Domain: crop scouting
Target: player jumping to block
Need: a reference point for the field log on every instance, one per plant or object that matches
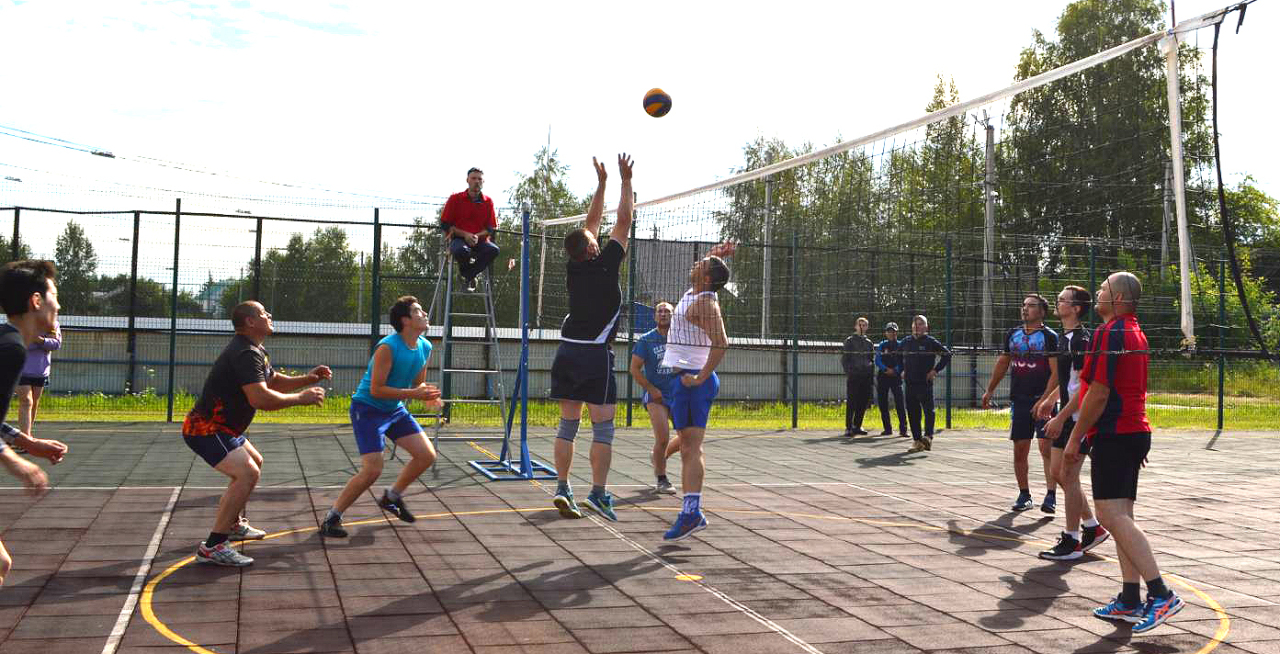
(695, 348)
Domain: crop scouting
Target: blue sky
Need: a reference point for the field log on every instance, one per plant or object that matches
(404, 97)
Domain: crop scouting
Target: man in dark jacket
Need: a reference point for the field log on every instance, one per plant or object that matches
(857, 363)
(889, 379)
(919, 351)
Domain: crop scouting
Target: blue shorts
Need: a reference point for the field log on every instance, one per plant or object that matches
(1024, 426)
(373, 426)
(691, 405)
(215, 447)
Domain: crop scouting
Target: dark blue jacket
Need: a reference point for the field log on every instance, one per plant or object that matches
(918, 357)
(888, 356)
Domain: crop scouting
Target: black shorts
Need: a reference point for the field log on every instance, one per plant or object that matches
(37, 382)
(1024, 426)
(1061, 441)
(1116, 461)
(584, 372)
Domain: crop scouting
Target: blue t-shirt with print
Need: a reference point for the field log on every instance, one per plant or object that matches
(650, 347)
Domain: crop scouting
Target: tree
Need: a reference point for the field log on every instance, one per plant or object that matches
(77, 264)
(6, 249)
(545, 190)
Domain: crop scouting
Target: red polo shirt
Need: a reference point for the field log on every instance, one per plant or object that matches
(1118, 359)
(468, 215)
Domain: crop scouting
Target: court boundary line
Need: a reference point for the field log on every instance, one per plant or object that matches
(144, 569)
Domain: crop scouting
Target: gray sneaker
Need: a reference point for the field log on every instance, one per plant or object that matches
(664, 486)
(244, 531)
(222, 554)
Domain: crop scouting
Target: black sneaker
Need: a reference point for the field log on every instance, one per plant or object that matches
(471, 285)
(859, 432)
(1067, 549)
(396, 508)
(1091, 537)
(332, 527)
(887, 432)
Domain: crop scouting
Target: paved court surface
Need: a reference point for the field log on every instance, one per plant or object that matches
(817, 543)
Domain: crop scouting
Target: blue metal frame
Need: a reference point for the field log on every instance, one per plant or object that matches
(523, 468)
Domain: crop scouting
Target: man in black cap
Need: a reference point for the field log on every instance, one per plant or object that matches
(889, 379)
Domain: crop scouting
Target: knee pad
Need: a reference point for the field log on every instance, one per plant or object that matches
(568, 430)
(602, 432)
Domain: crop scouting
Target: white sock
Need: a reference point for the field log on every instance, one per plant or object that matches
(1073, 534)
(1089, 522)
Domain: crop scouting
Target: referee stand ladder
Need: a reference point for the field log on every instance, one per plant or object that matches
(444, 308)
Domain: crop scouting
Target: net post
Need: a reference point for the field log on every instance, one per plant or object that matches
(989, 237)
(1222, 321)
(1169, 44)
(526, 466)
(795, 333)
(173, 309)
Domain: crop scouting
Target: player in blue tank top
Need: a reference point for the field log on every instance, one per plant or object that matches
(396, 373)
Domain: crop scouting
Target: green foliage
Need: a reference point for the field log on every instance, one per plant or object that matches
(77, 264)
(6, 249)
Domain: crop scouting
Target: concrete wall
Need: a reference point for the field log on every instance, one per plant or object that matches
(96, 360)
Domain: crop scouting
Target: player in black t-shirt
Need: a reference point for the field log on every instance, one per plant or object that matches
(240, 383)
(29, 298)
(583, 370)
(1083, 532)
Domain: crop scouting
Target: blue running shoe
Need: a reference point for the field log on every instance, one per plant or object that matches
(1050, 504)
(602, 504)
(1117, 611)
(1157, 611)
(687, 524)
(564, 502)
(1023, 502)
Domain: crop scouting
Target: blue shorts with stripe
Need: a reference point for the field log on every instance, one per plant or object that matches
(373, 426)
(215, 447)
(691, 405)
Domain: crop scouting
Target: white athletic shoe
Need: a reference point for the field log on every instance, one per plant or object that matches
(222, 554)
(244, 531)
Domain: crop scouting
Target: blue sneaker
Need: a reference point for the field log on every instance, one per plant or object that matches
(564, 502)
(1117, 611)
(1023, 502)
(602, 504)
(687, 524)
(1050, 504)
(1157, 611)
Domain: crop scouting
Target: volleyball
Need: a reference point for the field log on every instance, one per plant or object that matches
(657, 103)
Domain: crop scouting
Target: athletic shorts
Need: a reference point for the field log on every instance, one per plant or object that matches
(584, 372)
(1061, 441)
(215, 447)
(1024, 426)
(373, 426)
(38, 382)
(691, 405)
(1115, 463)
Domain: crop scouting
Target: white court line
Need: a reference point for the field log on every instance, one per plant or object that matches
(122, 621)
(720, 595)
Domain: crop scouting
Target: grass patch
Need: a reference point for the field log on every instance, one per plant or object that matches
(1165, 411)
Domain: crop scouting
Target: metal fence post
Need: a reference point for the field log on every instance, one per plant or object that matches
(257, 262)
(631, 317)
(1093, 277)
(17, 216)
(375, 283)
(130, 385)
(173, 309)
(1222, 321)
(795, 334)
(947, 328)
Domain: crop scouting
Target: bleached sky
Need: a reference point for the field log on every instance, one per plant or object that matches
(403, 97)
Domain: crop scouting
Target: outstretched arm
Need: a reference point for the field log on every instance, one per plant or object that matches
(724, 250)
(596, 212)
(626, 204)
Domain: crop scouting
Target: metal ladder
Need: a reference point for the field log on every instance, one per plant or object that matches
(442, 305)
